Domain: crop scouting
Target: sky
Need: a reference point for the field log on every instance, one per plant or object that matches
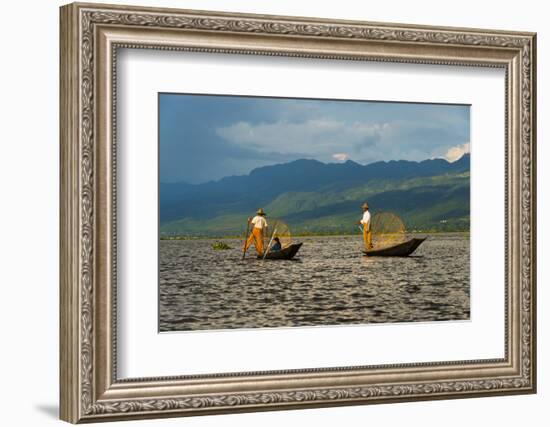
(207, 137)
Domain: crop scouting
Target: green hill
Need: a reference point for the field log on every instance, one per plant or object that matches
(426, 203)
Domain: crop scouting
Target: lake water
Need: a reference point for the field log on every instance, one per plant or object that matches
(329, 283)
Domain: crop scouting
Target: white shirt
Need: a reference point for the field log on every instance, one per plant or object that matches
(259, 222)
(366, 219)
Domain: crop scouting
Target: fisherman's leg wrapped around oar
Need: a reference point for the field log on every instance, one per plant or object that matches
(257, 238)
(367, 237)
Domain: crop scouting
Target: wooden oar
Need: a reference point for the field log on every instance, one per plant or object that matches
(269, 244)
(246, 237)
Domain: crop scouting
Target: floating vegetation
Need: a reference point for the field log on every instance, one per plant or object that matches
(220, 246)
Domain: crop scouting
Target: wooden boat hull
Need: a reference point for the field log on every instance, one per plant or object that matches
(400, 250)
(284, 254)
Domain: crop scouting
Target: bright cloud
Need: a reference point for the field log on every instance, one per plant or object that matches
(456, 152)
(341, 157)
(321, 135)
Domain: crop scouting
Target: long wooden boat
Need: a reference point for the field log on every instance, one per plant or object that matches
(402, 249)
(286, 253)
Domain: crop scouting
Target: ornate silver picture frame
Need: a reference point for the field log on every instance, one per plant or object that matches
(91, 35)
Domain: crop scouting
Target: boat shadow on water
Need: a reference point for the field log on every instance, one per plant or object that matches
(256, 259)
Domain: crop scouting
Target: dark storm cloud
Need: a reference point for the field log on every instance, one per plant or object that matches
(190, 149)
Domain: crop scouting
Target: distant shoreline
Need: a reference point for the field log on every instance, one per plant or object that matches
(302, 235)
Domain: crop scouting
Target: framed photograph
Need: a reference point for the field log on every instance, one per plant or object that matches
(266, 212)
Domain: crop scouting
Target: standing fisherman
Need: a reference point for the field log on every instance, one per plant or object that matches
(257, 236)
(365, 222)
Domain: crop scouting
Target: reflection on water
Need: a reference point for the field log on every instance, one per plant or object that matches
(330, 283)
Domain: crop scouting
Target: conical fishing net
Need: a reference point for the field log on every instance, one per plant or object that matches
(387, 230)
(277, 228)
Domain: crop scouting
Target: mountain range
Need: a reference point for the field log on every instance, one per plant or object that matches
(316, 197)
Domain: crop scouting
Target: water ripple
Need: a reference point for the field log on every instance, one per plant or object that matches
(330, 284)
